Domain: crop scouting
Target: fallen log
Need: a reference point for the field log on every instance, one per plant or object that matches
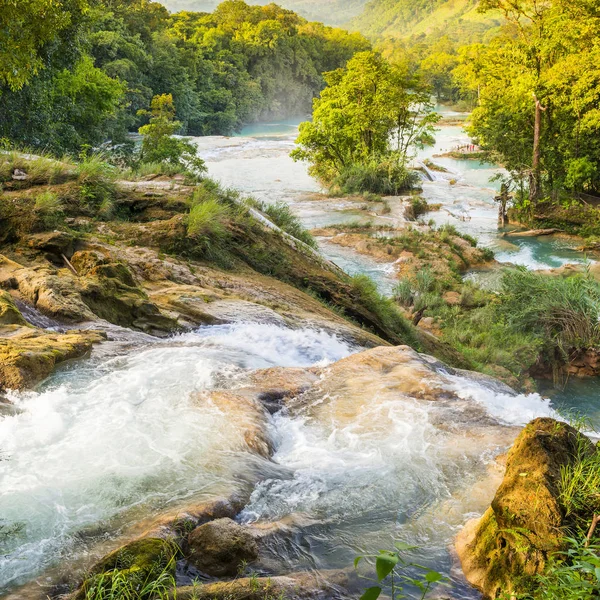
(532, 233)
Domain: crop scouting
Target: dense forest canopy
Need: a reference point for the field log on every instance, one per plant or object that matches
(330, 12)
(459, 19)
(84, 69)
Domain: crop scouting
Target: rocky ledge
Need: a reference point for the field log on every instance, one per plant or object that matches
(527, 521)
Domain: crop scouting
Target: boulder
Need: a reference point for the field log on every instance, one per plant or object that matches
(221, 547)
(57, 243)
(525, 523)
(277, 384)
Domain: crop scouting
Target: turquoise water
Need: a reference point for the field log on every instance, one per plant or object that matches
(579, 397)
(277, 128)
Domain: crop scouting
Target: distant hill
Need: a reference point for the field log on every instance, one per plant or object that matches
(330, 12)
(401, 18)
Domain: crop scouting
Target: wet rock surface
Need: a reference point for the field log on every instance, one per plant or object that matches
(220, 548)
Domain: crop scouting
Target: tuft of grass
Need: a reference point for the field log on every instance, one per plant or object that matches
(207, 218)
(386, 179)
(403, 293)
(96, 179)
(49, 207)
(48, 202)
(563, 312)
(418, 206)
(39, 168)
(580, 484)
(281, 214)
(392, 320)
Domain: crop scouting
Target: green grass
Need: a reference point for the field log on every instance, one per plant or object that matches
(563, 311)
(40, 168)
(207, 218)
(580, 486)
(281, 214)
(96, 179)
(365, 291)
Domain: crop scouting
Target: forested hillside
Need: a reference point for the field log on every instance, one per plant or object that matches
(89, 70)
(330, 12)
(402, 18)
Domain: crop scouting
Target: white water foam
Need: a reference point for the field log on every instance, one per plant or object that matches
(108, 436)
(512, 409)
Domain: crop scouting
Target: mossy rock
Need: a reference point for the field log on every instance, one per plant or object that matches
(526, 522)
(9, 313)
(220, 547)
(134, 566)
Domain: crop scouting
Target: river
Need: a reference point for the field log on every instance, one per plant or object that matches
(124, 434)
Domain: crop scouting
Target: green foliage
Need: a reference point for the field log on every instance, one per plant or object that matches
(207, 218)
(96, 179)
(417, 207)
(25, 29)
(563, 312)
(39, 170)
(580, 485)
(134, 577)
(365, 291)
(388, 178)
(549, 53)
(570, 575)
(403, 292)
(394, 571)
(159, 145)
(366, 123)
(97, 68)
(281, 214)
(532, 318)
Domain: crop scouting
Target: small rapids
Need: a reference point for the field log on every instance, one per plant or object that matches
(111, 435)
(114, 439)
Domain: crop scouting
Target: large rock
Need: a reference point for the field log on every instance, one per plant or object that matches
(221, 547)
(525, 524)
(28, 355)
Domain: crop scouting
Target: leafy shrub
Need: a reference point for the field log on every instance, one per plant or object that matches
(418, 206)
(388, 178)
(570, 575)
(159, 144)
(580, 485)
(393, 569)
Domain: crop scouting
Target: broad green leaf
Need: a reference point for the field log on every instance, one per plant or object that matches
(371, 594)
(433, 577)
(385, 564)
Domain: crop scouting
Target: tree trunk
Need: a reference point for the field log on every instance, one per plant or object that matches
(535, 177)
